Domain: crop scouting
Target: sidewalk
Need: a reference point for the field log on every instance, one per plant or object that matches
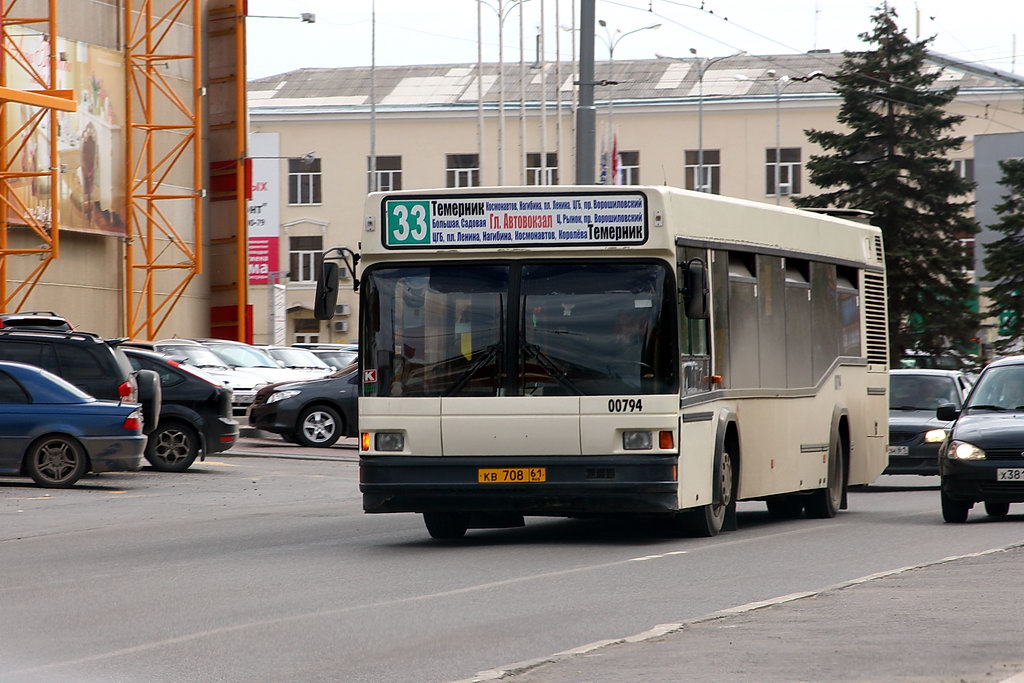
(959, 619)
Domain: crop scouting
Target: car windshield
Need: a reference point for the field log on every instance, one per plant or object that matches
(1000, 388)
(580, 328)
(240, 356)
(298, 358)
(921, 392)
(338, 359)
(199, 356)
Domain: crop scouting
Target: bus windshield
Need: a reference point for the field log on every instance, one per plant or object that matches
(526, 329)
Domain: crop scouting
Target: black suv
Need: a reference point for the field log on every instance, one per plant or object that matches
(195, 416)
(93, 364)
(34, 320)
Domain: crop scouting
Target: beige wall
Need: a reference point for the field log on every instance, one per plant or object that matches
(741, 130)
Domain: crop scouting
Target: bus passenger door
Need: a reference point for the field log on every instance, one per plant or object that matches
(697, 423)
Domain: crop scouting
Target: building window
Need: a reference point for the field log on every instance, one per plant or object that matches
(304, 181)
(535, 175)
(389, 174)
(711, 182)
(788, 168)
(462, 170)
(629, 167)
(306, 254)
(964, 168)
(307, 331)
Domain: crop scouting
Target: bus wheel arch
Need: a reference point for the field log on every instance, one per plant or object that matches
(720, 514)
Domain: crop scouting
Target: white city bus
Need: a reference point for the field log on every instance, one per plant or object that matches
(647, 351)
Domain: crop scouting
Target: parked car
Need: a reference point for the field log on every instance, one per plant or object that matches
(914, 432)
(311, 413)
(196, 356)
(93, 364)
(195, 415)
(337, 356)
(34, 320)
(300, 360)
(54, 432)
(982, 459)
(251, 360)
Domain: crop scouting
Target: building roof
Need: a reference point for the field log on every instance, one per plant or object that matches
(449, 86)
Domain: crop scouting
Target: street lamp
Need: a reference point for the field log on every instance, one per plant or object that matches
(502, 10)
(611, 40)
(779, 84)
(703, 63)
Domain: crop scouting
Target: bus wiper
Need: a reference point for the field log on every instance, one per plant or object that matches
(487, 354)
(987, 407)
(556, 372)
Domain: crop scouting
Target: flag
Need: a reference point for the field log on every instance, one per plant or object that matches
(616, 165)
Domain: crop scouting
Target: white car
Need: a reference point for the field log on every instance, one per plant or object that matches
(254, 361)
(195, 356)
(300, 360)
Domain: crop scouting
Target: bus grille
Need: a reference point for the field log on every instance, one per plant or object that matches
(875, 319)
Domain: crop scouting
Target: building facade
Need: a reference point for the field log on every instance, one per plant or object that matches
(733, 126)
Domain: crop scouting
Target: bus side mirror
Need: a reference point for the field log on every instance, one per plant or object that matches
(695, 290)
(326, 298)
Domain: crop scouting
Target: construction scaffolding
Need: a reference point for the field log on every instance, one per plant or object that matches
(46, 100)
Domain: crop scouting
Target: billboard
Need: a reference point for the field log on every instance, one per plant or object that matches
(90, 141)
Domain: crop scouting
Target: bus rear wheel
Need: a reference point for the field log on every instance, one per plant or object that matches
(824, 503)
(446, 526)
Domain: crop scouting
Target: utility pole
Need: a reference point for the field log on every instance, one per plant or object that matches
(586, 130)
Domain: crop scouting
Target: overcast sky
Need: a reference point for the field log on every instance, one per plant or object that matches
(445, 31)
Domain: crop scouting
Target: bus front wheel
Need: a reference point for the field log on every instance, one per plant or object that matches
(446, 526)
(707, 520)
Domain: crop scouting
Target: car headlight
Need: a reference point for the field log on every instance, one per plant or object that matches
(281, 395)
(935, 436)
(961, 450)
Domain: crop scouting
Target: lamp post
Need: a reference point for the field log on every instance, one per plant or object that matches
(703, 63)
(611, 40)
(502, 10)
(779, 84)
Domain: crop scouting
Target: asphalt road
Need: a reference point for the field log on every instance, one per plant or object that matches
(265, 569)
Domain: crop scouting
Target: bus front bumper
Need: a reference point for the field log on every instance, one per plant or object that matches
(572, 485)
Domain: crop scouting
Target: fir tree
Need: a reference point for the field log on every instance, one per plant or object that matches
(1004, 259)
(893, 161)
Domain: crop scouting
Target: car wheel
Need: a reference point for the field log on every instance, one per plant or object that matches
(319, 427)
(824, 503)
(994, 509)
(55, 461)
(446, 526)
(954, 511)
(172, 447)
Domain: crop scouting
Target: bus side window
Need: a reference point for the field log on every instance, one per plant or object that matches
(695, 362)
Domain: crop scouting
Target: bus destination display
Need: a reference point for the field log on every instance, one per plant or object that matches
(535, 220)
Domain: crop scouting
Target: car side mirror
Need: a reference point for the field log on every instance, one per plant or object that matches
(947, 412)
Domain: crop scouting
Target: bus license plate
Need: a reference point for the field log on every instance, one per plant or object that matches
(1010, 474)
(899, 450)
(511, 475)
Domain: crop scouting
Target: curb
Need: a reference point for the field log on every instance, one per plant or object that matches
(667, 629)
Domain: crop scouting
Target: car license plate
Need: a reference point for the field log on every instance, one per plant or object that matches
(899, 450)
(1010, 474)
(511, 475)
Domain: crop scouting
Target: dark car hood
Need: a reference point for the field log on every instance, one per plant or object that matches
(991, 430)
(914, 419)
(331, 383)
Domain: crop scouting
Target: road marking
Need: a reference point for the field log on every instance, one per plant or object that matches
(217, 463)
(655, 557)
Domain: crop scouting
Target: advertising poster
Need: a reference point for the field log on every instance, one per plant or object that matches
(90, 141)
(264, 224)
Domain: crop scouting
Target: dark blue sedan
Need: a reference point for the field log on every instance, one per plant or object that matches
(53, 432)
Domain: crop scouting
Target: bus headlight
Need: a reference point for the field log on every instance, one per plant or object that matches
(637, 441)
(961, 450)
(935, 436)
(389, 441)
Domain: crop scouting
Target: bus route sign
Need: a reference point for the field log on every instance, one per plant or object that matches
(460, 221)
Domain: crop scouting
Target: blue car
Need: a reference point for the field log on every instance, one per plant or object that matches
(54, 432)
